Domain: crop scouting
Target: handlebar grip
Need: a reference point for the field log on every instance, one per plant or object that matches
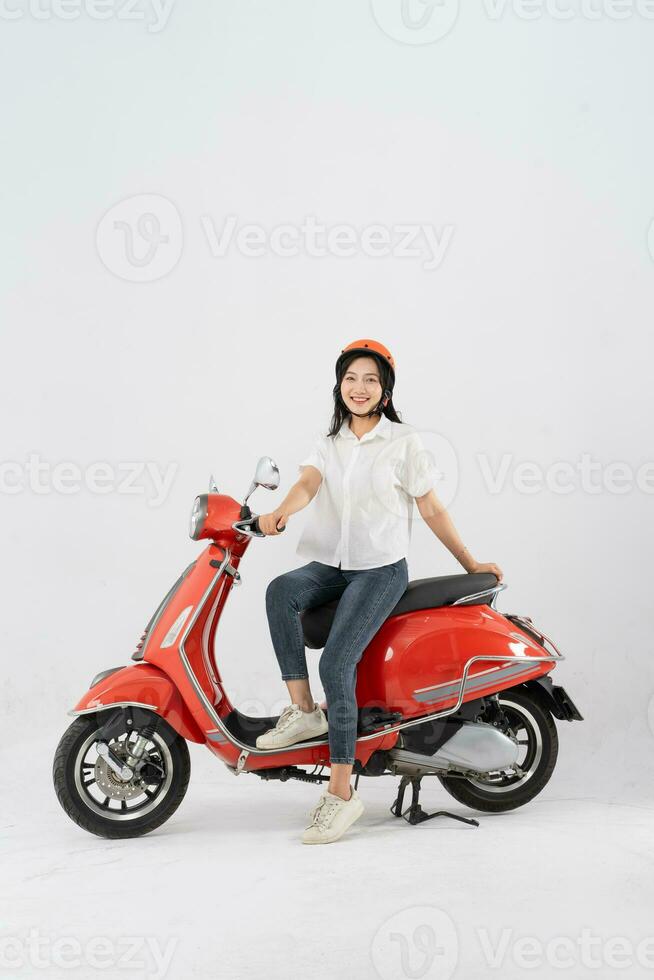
(257, 529)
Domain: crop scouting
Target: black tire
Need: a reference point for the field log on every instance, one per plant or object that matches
(83, 809)
(541, 755)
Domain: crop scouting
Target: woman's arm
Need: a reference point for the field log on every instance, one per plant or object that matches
(435, 515)
(301, 493)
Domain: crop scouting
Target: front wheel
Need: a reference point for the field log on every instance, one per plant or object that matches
(101, 802)
(535, 731)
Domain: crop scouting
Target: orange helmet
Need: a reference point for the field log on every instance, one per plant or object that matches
(368, 346)
(382, 355)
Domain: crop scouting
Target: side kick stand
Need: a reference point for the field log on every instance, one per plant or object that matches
(415, 812)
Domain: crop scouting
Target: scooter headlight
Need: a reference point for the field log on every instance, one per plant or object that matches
(198, 516)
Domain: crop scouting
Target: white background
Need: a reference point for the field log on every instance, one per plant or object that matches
(529, 139)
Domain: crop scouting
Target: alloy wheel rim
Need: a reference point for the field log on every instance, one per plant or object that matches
(105, 794)
(522, 723)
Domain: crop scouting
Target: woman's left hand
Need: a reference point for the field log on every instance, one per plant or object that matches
(488, 566)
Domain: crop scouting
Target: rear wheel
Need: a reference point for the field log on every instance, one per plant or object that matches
(98, 800)
(535, 731)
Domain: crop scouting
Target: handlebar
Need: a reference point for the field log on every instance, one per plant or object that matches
(255, 525)
(250, 526)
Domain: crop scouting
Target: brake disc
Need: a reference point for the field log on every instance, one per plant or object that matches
(110, 782)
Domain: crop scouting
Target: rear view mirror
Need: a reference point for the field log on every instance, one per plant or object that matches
(266, 475)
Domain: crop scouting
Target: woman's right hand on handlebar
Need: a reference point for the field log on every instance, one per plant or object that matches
(273, 523)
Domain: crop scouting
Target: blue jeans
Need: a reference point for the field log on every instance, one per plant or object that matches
(366, 599)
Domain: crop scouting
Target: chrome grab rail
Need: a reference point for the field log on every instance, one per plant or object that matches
(479, 595)
(530, 628)
(464, 677)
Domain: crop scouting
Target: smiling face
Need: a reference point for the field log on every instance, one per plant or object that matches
(361, 385)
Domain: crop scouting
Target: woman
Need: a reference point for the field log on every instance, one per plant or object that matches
(366, 472)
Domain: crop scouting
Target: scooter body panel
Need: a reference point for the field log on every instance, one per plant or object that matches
(146, 685)
(415, 663)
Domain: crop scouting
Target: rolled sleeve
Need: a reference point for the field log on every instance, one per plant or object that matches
(419, 474)
(317, 457)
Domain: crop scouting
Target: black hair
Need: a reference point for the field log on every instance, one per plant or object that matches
(341, 412)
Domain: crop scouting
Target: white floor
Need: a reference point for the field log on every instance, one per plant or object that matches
(563, 887)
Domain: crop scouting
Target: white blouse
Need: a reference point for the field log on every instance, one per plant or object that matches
(361, 516)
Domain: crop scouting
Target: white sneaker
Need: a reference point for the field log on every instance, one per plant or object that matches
(294, 725)
(332, 817)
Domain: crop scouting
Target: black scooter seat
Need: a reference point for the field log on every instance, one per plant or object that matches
(423, 593)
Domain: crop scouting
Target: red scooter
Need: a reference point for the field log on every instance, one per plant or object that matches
(448, 687)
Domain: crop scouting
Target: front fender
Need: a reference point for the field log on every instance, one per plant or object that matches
(144, 684)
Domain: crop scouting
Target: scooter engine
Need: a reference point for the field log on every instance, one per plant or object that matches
(468, 745)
